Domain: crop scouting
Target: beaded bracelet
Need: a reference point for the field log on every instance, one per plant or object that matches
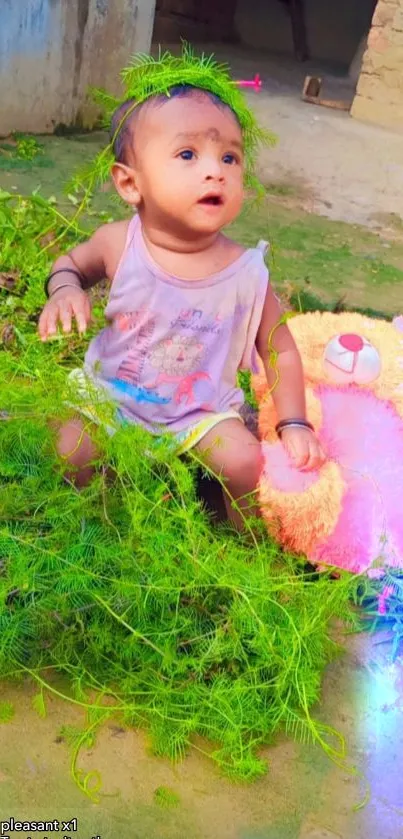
(61, 271)
(293, 423)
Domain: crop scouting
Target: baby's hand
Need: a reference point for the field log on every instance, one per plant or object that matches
(303, 447)
(63, 306)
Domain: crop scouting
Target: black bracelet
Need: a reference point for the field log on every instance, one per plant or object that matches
(61, 271)
(293, 423)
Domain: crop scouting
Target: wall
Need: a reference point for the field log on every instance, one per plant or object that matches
(334, 28)
(52, 50)
(379, 96)
(195, 21)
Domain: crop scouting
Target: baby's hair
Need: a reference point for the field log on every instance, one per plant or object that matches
(124, 118)
(121, 128)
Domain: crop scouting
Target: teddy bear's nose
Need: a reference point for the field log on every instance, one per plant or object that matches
(353, 343)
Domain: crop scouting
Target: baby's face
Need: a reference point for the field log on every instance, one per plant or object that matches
(189, 165)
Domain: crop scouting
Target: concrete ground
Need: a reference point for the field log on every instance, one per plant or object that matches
(349, 171)
(342, 168)
(304, 795)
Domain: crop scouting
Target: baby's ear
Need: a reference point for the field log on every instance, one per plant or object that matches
(125, 180)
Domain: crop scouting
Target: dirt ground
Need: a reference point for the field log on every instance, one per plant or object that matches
(343, 169)
(304, 795)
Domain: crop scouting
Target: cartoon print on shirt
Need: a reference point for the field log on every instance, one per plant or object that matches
(175, 357)
(128, 376)
(193, 320)
(139, 394)
(187, 318)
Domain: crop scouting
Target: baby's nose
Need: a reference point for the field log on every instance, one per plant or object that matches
(218, 177)
(213, 170)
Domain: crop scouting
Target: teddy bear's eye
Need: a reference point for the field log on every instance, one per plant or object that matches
(351, 359)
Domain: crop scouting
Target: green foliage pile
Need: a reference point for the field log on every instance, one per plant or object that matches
(125, 588)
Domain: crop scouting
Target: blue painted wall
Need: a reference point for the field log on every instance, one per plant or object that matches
(52, 51)
(24, 27)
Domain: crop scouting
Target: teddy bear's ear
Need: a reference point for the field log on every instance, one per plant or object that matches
(398, 322)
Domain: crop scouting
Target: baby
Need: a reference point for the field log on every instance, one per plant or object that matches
(188, 307)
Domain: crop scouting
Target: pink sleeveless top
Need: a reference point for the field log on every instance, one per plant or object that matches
(172, 348)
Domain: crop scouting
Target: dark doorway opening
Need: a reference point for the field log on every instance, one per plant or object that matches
(318, 30)
(195, 21)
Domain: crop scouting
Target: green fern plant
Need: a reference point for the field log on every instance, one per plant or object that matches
(7, 712)
(166, 798)
(184, 629)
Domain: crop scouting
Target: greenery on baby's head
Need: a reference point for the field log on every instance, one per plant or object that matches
(149, 78)
(125, 116)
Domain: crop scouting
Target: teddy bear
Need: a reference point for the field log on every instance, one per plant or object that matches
(349, 513)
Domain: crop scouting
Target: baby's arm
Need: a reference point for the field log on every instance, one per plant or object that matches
(84, 266)
(285, 377)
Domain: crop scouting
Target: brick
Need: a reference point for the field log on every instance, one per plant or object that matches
(379, 96)
(370, 110)
(377, 40)
(397, 22)
(384, 14)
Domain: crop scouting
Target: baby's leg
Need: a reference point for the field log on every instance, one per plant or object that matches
(74, 445)
(233, 452)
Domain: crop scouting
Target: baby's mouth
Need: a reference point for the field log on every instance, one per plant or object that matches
(211, 199)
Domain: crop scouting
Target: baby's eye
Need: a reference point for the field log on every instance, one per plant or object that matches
(230, 158)
(187, 154)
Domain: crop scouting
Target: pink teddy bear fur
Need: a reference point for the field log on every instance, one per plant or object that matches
(350, 512)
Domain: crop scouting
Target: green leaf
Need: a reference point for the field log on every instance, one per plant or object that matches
(38, 703)
(7, 711)
(166, 798)
(74, 736)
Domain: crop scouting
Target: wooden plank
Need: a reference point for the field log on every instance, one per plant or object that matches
(312, 86)
(311, 93)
